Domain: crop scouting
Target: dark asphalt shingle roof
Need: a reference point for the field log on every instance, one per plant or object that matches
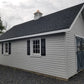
(56, 21)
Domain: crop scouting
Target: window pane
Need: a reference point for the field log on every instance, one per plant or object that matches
(38, 42)
(38, 46)
(38, 51)
(34, 46)
(33, 51)
(33, 42)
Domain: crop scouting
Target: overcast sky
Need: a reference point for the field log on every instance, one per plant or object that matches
(14, 12)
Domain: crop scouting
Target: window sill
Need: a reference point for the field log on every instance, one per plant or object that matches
(6, 54)
(34, 56)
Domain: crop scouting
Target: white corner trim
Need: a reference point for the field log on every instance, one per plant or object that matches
(76, 17)
(39, 34)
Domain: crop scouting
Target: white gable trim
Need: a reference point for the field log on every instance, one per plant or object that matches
(34, 35)
(76, 17)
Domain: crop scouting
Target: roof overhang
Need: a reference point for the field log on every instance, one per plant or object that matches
(35, 35)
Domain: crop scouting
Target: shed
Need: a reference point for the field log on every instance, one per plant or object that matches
(51, 44)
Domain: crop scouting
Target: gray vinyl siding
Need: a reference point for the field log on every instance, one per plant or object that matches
(77, 29)
(54, 63)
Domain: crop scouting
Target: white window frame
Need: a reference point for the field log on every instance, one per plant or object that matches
(31, 47)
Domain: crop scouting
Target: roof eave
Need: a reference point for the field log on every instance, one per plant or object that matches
(35, 35)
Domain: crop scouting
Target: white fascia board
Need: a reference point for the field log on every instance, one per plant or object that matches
(76, 17)
(39, 34)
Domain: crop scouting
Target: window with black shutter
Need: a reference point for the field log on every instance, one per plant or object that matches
(6, 48)
(38, 47)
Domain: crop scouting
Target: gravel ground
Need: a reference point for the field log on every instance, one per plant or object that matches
(15, 76)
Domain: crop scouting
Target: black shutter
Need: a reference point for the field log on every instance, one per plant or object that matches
(28, 47)
(9, 48)
(43, 47)
(2, 48)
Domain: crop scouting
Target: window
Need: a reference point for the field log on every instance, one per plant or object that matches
(36, 47)
(6, 48)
